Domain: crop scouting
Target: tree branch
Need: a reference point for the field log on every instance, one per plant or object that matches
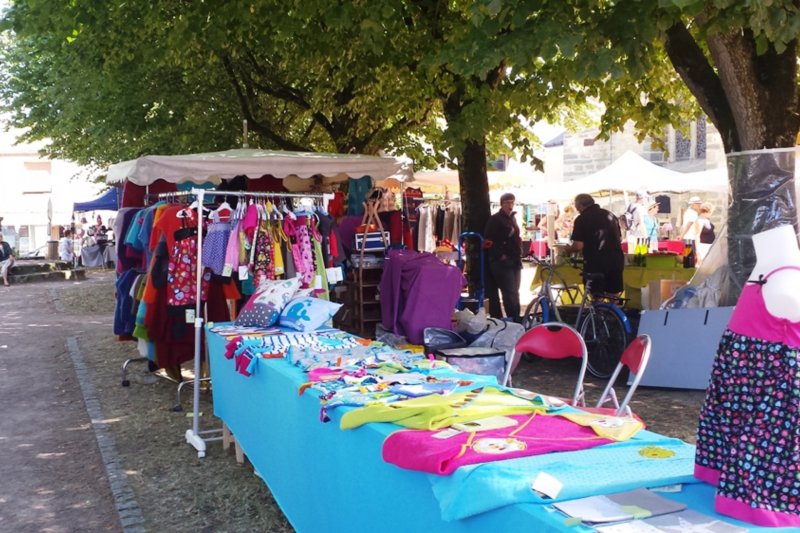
(699, 76)
(257, 126)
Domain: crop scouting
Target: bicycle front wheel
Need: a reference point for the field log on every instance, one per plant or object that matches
(606, 339)
(536, 313)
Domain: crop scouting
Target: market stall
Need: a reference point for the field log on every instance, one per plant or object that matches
(635, 279)
(159, 302)
(304, 461)
(99, 252)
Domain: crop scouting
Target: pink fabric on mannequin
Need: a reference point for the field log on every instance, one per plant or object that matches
(754, 320)
(420, 450)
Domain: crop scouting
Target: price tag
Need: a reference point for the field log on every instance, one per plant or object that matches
(190, 316)
(227, 270)
(547, 485)
(244, 273)
(446, 434)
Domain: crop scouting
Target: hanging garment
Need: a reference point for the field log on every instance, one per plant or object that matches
(215, 244)
(426, 242)
(278, 240)
(297, 231)
(357, 195)
(182, 274)
(264, 257)
(449, 223)
(336, 207)
(748, 437)
(439, 224)
(320, 291)
(412, 199)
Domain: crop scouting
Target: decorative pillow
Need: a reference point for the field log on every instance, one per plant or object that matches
(264, 307)
(307, 314)
(303, 293)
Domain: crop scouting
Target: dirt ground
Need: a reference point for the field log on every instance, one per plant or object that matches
(53, 464)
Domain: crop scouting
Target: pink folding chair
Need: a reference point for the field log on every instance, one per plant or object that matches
(635, 357)
(553, 340)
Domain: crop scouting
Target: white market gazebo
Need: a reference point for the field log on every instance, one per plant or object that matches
(216, 166)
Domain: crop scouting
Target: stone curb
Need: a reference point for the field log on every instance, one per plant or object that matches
(57, 301)
(130, 514)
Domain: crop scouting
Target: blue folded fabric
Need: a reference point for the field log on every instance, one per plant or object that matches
(646, 460)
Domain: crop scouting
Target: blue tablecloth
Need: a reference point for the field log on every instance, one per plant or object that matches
(326, 479)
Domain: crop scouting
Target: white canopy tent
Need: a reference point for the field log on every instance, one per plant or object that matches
(631, 172)
(215, 166)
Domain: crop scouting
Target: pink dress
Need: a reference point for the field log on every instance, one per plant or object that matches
(748, 437)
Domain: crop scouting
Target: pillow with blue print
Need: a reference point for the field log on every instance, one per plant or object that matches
(264, 307)
(307, 314)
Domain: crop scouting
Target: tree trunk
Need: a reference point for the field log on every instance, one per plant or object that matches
(753, 101)
(474, 183)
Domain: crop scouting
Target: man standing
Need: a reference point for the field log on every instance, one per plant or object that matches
(597, 235)
(6, 259)
(503, 246)
(639, 213)
(689, 218)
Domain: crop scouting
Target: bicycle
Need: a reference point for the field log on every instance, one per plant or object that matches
(603, 325)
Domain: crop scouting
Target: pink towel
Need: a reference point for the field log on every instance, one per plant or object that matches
(534, 435)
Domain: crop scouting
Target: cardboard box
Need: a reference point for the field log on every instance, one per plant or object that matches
(662, 290)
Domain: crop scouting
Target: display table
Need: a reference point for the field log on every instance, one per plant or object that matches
(634, 278)
(326, 479)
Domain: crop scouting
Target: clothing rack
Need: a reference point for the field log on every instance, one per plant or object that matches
(166, 196)
(194, 435)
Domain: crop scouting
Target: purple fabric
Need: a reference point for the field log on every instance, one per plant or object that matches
(347, 230)
(418, 291)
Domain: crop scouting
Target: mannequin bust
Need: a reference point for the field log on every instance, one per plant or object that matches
(777, 248)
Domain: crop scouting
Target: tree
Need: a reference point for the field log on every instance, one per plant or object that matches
(170, 78)
(737, 60)
(340, 76)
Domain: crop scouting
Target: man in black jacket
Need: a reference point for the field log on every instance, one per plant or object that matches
(596, 233)
(503, 246)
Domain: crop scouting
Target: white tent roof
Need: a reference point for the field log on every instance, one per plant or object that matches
(630, 172)
(215, 166)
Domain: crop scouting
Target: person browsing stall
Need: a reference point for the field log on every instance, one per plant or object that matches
(66, 250)
(639, 211)
(503, 247)
(6, 259)
(688, 230)
(651, 225)
(597, 234)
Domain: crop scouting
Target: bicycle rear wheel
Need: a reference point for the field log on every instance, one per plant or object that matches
(536, 313)
(606, 339)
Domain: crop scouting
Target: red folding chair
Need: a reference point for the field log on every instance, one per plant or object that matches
(553, 340)
(635, 357)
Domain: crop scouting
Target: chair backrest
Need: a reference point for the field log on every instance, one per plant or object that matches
(554, 340)
(635, 357)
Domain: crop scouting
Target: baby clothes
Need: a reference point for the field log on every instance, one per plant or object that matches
(182, 274)
(747, 437)
(215, 244)
(264, 259)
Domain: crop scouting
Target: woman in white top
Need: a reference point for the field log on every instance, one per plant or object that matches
(65, 247)
(704, 231)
